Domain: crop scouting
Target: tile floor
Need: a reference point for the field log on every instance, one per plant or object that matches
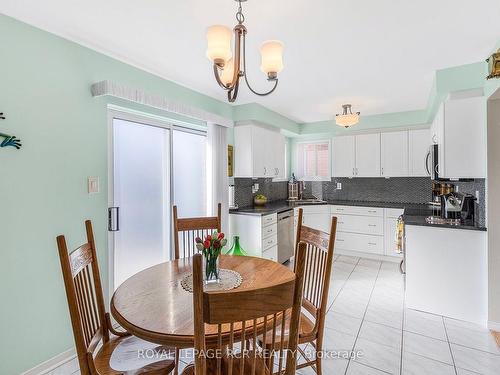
(367, 314)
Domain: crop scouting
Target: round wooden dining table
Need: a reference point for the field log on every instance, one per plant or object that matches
(153, 305)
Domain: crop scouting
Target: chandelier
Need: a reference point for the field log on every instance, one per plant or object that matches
(347, 118)
(229, 68)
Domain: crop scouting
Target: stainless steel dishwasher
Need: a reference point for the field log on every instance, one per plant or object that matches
(285, 236)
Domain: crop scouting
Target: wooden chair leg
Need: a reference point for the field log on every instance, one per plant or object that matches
(177, 359)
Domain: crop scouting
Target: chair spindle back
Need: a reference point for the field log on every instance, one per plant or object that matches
(187, 229)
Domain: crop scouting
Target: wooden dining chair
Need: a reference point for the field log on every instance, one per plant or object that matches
(242, 318)
(100, 348)
(317, 274)
(187, 229)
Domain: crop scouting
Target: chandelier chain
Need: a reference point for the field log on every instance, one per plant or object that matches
(239, 14)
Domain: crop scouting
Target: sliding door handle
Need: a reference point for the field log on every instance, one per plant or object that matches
(113, 219)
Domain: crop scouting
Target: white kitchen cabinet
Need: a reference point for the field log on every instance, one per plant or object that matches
(259, 152)
(344, 154)
(394, 154)
(447, 272)
(368, 155)
(258, 234)
(464, 143)
(418, 152)
(279, 150)
(317, 217)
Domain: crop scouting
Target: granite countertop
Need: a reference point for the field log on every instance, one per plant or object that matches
(414, 213)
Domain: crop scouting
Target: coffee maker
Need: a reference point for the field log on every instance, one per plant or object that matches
(458, 207)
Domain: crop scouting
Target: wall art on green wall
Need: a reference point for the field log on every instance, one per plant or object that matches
(9, 140)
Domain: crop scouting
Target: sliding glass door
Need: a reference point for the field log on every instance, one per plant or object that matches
(154, 166)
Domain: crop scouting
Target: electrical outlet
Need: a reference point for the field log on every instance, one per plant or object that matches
(255, 188)
(339, 185)
(477, 195)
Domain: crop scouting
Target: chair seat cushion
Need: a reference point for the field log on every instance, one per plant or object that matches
(131, 354)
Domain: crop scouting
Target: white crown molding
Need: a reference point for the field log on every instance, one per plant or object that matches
(108, 88)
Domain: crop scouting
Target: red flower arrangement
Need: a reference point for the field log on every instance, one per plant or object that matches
(211, 247)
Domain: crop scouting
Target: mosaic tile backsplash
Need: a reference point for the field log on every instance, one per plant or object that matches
(395, 190)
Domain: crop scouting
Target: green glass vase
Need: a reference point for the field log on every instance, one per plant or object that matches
(236, 249)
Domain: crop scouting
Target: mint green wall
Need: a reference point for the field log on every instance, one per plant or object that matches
(45, 95)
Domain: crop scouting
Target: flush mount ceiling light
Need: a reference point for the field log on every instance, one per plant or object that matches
(347, 118)
(228, 69)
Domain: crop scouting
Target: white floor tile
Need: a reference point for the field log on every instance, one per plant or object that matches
(342, 323)
(473, 336)
(334, 366)
(416, 365)
(381, 357)
(337, 341)
(381, 334)
(475, 360)
(427, 347)
(384, 316)
(425, 324)
(356, 368)
(347, 259)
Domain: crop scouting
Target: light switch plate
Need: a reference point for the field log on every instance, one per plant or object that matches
(93, 185)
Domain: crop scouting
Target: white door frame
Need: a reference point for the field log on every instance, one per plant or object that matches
(123, 114)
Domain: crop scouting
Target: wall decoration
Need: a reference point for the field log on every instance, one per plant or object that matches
(9, 140)
(230, 160)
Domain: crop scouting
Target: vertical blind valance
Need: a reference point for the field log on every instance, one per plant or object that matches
(108, 88)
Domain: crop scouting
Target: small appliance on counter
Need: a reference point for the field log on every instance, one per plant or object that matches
(458, 206)
(232, 204)
(456, 209)
(295, 189)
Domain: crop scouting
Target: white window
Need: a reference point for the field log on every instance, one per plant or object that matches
(313, 160)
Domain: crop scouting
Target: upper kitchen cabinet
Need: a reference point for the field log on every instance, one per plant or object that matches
(259, 152)
(344, 154)
(418, 149)
(280, 158)
(394, 154)
(463, 147)
(368, 155)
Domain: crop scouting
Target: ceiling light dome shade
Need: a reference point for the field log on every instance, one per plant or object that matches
(219, 44)
(227, 74)
(272, 57)
(347, 118)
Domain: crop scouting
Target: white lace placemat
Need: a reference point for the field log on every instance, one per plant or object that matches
(229, 279)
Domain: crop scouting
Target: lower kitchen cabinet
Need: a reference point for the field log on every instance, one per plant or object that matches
(368, 230)
(447, 272)
(258, 234)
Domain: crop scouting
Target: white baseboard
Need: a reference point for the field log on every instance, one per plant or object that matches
(494, 326)
(384, 258)
(53, 363)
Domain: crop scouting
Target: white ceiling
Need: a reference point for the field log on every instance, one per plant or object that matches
(378, 55)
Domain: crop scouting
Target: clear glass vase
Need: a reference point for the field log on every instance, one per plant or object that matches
(211, 267)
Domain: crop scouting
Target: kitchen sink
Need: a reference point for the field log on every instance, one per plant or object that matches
(309, 201)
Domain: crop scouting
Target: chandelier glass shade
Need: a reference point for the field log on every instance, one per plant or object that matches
(347, 118)
(229, 66)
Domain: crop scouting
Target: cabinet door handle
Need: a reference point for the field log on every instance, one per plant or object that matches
(372, 211)
(382, 171)
(340, 240)
(265, 170)
(371, 243)
(372, 225)
(354, 171)
(427, 163)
